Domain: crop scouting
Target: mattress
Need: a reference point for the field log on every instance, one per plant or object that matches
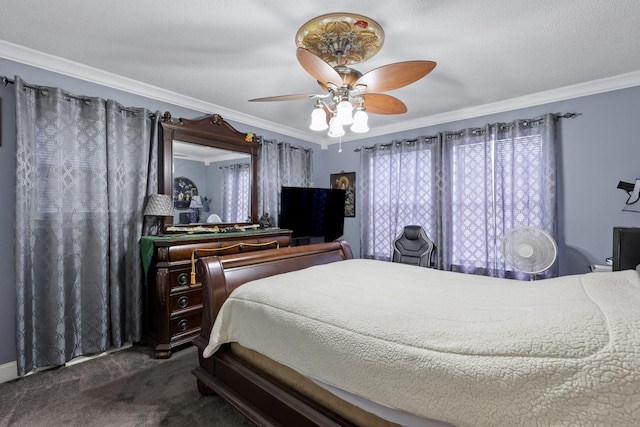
(463, 349)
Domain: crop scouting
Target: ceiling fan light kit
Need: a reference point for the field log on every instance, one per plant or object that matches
(329, 43)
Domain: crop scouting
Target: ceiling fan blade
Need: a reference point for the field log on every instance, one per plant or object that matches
(316, 66)
(379, 103)
(284, 97)
(394, 76)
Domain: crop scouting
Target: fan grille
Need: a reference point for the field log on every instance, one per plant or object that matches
(529, 249)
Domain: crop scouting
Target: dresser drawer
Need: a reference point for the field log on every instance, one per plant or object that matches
(185, 322)
(186, 299)
(180, 276)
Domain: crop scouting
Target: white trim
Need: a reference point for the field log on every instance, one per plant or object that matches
(8, 371)
(73, 69)
(593, 87)
(59, 65)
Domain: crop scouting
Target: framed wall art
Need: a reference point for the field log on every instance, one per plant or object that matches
(346, 181)
(183, 190)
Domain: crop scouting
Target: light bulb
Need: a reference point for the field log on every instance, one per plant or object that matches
(360, 119)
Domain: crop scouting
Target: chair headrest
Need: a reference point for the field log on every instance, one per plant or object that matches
(412, 232)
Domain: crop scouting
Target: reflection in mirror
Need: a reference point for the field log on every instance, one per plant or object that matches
(213, 179)
(210, 185)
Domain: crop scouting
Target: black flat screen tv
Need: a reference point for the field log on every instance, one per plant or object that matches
(312, 212)
(626, 248)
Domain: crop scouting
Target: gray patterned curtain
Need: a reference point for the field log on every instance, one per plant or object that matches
(398, 188)
(84, 167)
(465, 188)
(236, 192)
(280, 164)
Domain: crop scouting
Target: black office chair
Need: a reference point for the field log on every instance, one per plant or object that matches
(413, 246)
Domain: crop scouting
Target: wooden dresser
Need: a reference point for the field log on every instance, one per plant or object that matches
(173, 305)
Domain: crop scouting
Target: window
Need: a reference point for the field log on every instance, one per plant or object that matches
(466, 189)
(398, 189)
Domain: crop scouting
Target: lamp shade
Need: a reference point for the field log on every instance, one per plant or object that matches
(360, 119)
(318, 119)
(344, 112)
(159, 205)
(335, 128)
(196, 202)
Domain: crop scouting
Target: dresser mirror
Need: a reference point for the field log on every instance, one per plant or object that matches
(191, 157)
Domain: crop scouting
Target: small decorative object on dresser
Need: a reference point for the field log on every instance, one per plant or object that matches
(173, 302)
(266, 221)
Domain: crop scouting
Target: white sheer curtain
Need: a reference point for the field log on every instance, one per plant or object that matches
(84, 167)
(236, 193)
(496, 178)
(281, 164)
(465, 188)
(398, 188)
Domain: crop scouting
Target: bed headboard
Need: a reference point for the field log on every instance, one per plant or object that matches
(220, 275)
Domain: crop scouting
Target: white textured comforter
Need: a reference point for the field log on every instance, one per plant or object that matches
(464, 349)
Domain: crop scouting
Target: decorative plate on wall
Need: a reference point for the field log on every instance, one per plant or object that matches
(183, 190)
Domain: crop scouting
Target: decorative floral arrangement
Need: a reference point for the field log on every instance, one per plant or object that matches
(362, 24)
(249, 137)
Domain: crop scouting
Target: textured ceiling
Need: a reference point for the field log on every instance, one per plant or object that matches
(214, 56)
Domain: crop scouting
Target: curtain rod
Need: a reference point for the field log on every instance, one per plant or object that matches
(7, 81)
(557, 116)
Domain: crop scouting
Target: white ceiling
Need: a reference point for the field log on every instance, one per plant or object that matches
(213, 56)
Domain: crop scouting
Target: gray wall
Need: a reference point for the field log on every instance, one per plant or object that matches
(597, 149)
(7, 219)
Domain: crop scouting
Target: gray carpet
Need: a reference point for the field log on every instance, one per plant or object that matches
(126, 388)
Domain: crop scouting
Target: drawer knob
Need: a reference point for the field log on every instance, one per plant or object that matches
(182, 325)
(183, 301)
(183, 279)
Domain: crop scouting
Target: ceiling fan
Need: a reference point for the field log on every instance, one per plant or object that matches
(327, 45)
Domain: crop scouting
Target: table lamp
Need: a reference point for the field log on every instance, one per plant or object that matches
(196, 205)
(158, 205)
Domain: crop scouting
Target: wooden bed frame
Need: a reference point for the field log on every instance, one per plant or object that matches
(263, 399)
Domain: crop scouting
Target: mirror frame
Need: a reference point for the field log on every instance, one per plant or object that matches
(210, 131)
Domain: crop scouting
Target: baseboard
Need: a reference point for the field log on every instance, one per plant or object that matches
(8, 371)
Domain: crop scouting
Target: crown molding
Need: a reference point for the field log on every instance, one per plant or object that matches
(593, 87)
(73, 69)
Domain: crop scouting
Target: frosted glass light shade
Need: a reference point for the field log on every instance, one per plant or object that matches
(344, 112)
(360, 119)
(335, 128)
(318, 119)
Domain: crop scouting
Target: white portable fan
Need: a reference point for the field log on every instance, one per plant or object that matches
(529, 249)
